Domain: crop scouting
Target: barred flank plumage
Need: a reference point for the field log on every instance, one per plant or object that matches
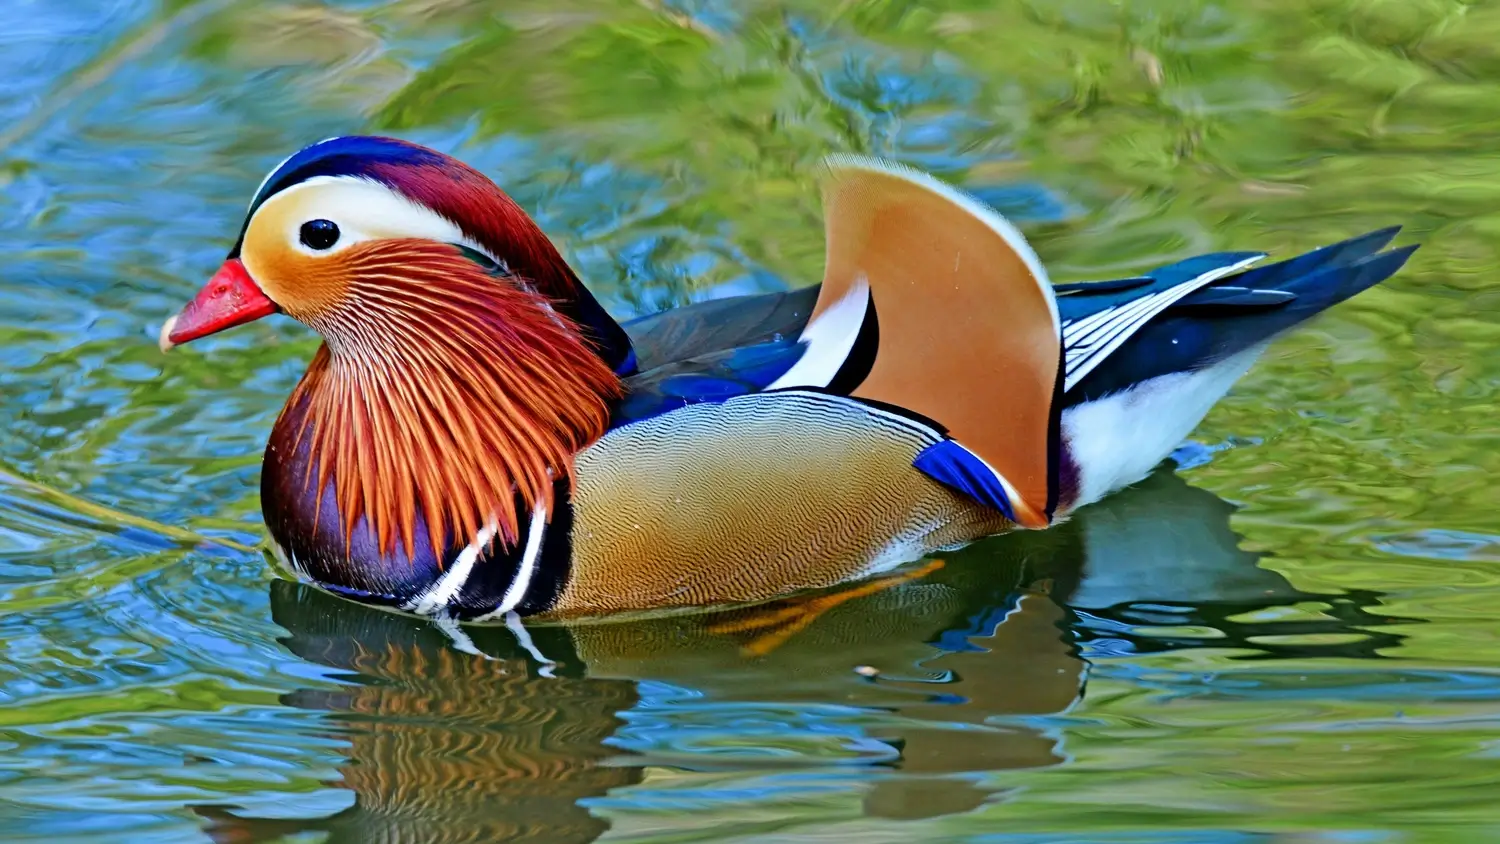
(446, 393)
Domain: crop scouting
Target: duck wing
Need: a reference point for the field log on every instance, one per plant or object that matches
(714, 376)
(934, 306)
(703, 328)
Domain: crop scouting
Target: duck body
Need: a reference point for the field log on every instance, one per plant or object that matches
(934, 389)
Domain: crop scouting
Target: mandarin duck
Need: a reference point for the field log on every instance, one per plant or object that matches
(477, 438)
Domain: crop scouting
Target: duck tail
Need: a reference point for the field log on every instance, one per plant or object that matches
(1255, 306)
(1244, 311)
(1331, 274)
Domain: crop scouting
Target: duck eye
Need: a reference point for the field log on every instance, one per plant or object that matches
(319, 234)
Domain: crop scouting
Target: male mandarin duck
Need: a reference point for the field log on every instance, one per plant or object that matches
(478, 439)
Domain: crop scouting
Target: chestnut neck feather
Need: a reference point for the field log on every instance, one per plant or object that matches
(443, 393)
(459, 192)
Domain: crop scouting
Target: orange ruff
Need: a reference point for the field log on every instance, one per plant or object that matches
(445, 392)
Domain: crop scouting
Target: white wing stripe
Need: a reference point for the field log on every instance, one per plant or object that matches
(1082, 354)
(1096, 334)
(1092, 321)
(1089, 321)
(1121, 322)
(1124, 330)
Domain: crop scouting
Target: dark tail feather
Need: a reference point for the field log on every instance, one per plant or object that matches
(1317, 291)
(1277, 276)
(1244, 310)
(1233, 329)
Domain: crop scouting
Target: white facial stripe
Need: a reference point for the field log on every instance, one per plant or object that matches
(364, 210)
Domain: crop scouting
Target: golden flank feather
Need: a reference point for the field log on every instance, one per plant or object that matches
(443, 393)
(969, 332)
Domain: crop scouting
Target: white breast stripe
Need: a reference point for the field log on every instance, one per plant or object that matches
(1087, 342)
(437, 596)
(517, 591)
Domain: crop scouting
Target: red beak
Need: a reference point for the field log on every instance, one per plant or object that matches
(230, 298)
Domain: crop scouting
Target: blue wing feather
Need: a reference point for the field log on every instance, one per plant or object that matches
(1084, 302)
(713, 377)
(957, 468)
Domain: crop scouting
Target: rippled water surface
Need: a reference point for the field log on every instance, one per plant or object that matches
(1291, 637)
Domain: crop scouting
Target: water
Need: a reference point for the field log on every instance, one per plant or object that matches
(1290, 638)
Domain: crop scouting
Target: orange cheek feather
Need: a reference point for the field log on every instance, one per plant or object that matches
(305, 286)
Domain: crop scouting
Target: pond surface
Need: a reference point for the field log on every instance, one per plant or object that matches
(1293, 635)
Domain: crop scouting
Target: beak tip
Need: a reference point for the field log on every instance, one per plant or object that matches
(230, 298)
(164, 341)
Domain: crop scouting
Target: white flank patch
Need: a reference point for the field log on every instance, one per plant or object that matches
(516, 592)
(364, 210)
(1119, 439)
(1088, 341)
(829, 339)
(985, 214)
(437, 596)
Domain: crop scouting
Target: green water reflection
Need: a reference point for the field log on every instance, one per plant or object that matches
(1316, 661)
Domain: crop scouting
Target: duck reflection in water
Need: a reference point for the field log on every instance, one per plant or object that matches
(465, 735)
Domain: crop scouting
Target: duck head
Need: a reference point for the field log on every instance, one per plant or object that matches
(463, 367)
